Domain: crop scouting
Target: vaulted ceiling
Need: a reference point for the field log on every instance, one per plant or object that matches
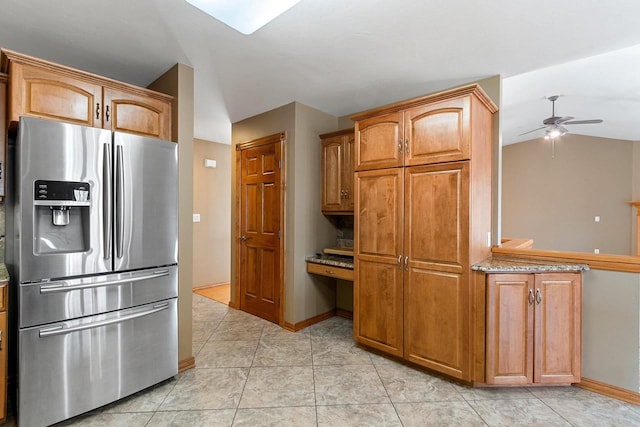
(338, 56)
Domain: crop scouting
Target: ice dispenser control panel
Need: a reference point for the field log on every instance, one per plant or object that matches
(62, 191)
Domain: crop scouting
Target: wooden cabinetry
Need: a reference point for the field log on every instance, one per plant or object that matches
(3, 131)
(337, 172)
(43, 89)
(3, 349)
(533, 328)
(415, 239)
(434, 133)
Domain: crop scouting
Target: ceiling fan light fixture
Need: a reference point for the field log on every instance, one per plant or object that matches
(244, 16)
(554, 131)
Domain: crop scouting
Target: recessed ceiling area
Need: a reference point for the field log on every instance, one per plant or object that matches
(339, 57)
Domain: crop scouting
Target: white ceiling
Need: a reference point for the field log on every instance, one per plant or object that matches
(338, 56)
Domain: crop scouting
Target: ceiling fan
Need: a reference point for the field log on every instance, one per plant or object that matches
(554, 125)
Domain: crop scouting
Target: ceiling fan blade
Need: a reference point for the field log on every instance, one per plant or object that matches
(534, 130)
(583, 122)
(555, 120)
(564, 120)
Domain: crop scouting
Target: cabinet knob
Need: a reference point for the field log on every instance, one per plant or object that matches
(406, 146)
(243, 238)
(400, 146)
(531, 298)
(106, 113)
(406, 263)
(400, 262)
(97, 110)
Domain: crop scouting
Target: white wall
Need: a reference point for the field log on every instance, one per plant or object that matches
(212, 200)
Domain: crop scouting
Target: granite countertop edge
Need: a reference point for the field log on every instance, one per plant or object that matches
(4, 274)
(506, 265)
(330, 261)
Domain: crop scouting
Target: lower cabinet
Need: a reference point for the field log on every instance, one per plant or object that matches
(3, 350)
(533, 328)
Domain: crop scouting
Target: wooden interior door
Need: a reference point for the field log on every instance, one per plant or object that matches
(557, 328)
(378, 288)
(436, 278)
(509, 354)
(260, 232)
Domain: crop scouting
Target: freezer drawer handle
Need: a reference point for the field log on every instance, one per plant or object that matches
(59, 330)
(65, 287)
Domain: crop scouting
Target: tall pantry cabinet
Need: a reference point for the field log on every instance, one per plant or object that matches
(422, 218)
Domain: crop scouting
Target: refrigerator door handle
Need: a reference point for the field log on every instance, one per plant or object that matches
(65, 287)
(106, 207)
(60, 330)
(119, 203)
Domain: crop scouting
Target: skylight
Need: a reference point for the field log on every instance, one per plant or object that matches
(245, 16)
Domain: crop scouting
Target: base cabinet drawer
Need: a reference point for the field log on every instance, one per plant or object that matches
(330, 271)
(71, 367)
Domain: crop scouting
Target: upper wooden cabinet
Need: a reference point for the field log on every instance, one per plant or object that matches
(426, 130)
(43, 89)
(533, 328)
(337, 172)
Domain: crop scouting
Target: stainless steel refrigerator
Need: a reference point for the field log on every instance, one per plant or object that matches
(92, 253)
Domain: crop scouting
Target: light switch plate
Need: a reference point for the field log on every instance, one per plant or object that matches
(196, 217)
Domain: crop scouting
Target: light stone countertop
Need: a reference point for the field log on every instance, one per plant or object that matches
(506, 265)
(4, 275)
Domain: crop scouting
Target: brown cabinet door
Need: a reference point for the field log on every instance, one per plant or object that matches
(438, 132)
(133, 113)
(3, 131)
(3, 364)
(379, 142)
(378, 289)
(332, 174)
(558, 328)
(436, 282)
(509, 339)
(38, 92)
(347, 177)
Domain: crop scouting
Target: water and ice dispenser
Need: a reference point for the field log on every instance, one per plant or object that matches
(62, 212)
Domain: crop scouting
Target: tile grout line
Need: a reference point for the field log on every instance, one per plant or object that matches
(393, 404)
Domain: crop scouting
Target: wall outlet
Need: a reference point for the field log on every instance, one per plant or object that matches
(597, 218)
(596, 251)
(196, 217)
(488, 239)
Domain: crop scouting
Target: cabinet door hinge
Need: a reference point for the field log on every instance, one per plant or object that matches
(279, 164)
(279, 234)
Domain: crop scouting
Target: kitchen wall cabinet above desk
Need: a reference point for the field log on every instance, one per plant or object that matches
(40, 88)
(337, 172)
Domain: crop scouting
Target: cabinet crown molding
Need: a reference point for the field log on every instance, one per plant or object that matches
(472, 89)
(9, 56)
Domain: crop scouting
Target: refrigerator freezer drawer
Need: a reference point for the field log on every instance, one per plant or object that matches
(67, 299)
(73, 367)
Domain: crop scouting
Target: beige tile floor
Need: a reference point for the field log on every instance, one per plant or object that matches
(250, 372)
